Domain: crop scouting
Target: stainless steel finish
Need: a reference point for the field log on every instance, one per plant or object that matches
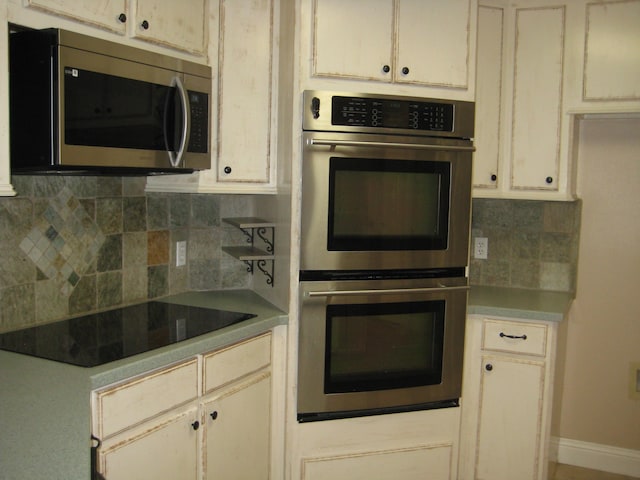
(81, 155)
(314, 298)
(388, 291)
(176, 157)
(346, 143)
(315, 178)
(464, 119)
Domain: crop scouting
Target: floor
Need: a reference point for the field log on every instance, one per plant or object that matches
(568, 472)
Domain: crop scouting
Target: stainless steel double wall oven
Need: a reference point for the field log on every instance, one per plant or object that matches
(386, 199)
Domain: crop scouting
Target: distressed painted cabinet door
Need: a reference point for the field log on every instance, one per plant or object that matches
(160, 450)
(101, 13)
(488, 136)
(510, 418)
(537, 98)
(433, 41)
(245, 90)
(237, 431)
(353, 39)
(175, 24)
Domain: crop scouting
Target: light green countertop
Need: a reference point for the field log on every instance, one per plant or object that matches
(519, 303)
(45, 410)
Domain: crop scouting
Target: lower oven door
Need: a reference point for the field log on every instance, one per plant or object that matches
(378, 346)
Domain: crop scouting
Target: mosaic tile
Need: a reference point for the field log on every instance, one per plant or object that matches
(58, 240)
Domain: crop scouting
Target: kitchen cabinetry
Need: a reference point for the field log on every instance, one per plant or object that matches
(417, 42)
(155, 21)
(507, 398)
(539, 67)
(245, 147)
(154, 425)
(522, 136)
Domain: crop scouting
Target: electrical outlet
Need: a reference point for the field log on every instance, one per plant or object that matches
(181, 253)
(481, 248)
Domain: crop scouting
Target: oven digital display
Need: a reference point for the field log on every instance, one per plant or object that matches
(399, 114)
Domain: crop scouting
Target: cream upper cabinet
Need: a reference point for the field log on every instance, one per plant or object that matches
(245, 108)
(540, 66)
(174, 24)
(428, 43)
(507, 399)
(170, 24)
(522, 134)
(107, 14)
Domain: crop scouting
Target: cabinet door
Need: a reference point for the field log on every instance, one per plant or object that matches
(245, 91)
(173, 24)
(353, 39)
(161, 450)
(237, 431)
(511, 401)
(433, 42)
(488, 138)
(537, 98)
(100, 13)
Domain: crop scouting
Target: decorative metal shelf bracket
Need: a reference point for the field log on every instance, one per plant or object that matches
(263, 259)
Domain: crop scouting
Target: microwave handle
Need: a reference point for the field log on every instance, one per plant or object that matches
(385, 291)
(176, 157)
(355, 143)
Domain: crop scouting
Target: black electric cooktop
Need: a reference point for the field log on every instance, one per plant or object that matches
(100, 338)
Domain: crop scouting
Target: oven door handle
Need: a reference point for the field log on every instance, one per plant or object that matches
(384, 291)
(414, 146)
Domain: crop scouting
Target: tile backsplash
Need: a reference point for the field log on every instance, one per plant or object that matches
(77, 244)
(531, 244)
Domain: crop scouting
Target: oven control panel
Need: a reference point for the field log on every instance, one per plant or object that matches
(392, 113)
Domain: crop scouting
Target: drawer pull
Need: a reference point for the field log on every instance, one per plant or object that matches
(504, 335)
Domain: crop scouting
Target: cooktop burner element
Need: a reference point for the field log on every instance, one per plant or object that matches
(104, 337)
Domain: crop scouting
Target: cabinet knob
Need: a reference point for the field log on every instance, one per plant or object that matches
(549, 179)
(494, 177)
(386, 69)
(405, 70)
(213, 415)
(488, 367)
(227, 169)
(145, 25)
(195, 425)
(122, 18)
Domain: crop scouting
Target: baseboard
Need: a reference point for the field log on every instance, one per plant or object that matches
(596, 456)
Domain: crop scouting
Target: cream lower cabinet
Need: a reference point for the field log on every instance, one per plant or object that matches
(506, 399)
(206, 418)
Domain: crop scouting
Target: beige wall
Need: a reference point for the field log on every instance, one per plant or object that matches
(604, 324)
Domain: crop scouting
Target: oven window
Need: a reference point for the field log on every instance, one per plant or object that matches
(383, 346)
(377, 204)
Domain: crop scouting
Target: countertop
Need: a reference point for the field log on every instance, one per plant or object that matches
(45, 411)
(519, 303)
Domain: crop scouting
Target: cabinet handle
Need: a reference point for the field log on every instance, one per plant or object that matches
(213, 415)
(504, 335)
(145, 25)
(227, 169)
(494, 177)
(405, 70)
(549, 179)
(488, 367)
(386, 69)
(123, 18)
(195, 425)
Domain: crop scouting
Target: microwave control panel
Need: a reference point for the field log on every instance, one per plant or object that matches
(388, 113)
(199, 133)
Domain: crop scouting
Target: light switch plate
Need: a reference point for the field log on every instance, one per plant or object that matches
(181, 253)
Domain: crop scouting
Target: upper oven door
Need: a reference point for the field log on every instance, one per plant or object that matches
(380, 202)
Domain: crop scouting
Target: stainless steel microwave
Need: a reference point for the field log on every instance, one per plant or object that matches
(79, 103)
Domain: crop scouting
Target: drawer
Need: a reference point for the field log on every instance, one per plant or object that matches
(236, 361)
(515, 337)
(129, 403)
